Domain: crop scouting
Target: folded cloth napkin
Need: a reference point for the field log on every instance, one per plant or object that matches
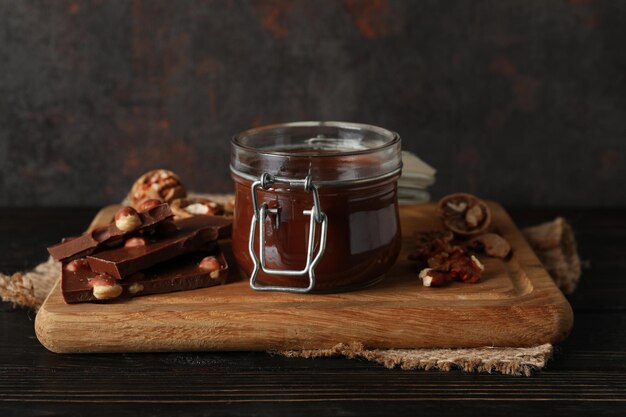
(416, 177)
(553, 242)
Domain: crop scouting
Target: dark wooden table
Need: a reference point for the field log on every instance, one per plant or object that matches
(587, 375)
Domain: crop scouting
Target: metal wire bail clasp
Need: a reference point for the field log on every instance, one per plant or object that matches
(258, 217)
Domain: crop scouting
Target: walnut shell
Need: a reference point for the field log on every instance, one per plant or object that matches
(464, 214)
(158, 184)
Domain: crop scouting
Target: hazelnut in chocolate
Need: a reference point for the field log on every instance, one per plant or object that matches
(111, 234)
(127, 219)
(192, 235)
(183, 273)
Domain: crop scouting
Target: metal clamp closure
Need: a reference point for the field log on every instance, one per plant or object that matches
(260, 212)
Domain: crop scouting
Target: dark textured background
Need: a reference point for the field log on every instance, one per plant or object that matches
(520, 101)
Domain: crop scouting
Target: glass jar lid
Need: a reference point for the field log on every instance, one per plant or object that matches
(330, 153)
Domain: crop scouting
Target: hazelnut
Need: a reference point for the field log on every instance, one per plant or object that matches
(149, 204)
(188, 207)
(77, 264)
(492, 244)
(211, 265)
(134, 242)
(158, 184)
(105, 287)
(229, 206)
(135, 288)
(197, 208)
(127, 219)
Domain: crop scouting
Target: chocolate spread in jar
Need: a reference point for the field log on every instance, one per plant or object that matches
(356, 179)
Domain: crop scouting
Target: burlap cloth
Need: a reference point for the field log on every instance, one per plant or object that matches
(553, 242)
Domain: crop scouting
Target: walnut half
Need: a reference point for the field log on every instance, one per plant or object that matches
(158, 184)
(464, 214)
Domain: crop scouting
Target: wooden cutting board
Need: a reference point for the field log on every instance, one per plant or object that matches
(516, 304)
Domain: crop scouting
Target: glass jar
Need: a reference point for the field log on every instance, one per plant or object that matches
(316, 205)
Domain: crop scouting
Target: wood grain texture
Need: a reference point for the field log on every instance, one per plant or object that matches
(587, 376)
(515, 305)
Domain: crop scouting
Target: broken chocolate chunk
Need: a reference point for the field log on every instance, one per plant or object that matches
(193, 234)
(86, 244)
(183, 273)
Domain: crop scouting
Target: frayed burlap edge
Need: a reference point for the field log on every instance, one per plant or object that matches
(555, 245)
(508, 361)
(30, 289)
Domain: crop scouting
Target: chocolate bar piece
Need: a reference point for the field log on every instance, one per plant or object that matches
(86, 244)
(192, 235)
(79, 284)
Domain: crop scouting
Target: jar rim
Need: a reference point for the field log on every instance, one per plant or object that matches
(393, 137)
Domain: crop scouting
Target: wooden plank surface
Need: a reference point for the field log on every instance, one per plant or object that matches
(586, 377)
(516, 304)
